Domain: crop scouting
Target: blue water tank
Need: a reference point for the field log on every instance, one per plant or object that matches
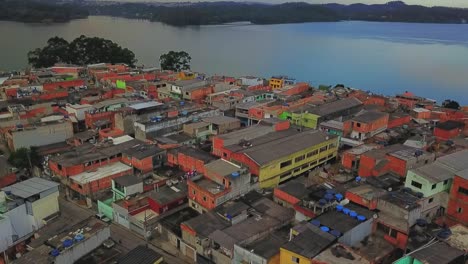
(361, 218)
(235, 174)
(358, 179)
(421, 222)
(339, 208)
(444, 233)
(315, 223)
(339, 196)
(346, 211)
(182, 103)
(353, 214)
(335, 233)
(184, 112)
(67, 243)
(329, 197)
(55, 252)
(322, 202)
(79, 237)
(325, 228)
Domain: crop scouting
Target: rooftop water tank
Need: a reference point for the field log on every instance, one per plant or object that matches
(325, 228)
(339, 196)
(79, 237)
(353, 214)
(335, 233)
(55, 252)
(235, 174)
(67, 243)
(184, 112)
(329, 197)
(315, 222)
(322, 202)
(358, 179)
(181, 103)
(346, 211)
(339, 208)
(361, 218)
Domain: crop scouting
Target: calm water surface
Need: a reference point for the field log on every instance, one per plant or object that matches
(428, 59)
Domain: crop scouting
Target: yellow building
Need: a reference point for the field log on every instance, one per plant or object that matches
(279, 160)
(187, 75)
(276, 82)
(306, 243)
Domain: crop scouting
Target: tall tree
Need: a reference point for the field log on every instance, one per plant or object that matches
(24, 158)
(175, 61)
(82, 50)
(451, 104)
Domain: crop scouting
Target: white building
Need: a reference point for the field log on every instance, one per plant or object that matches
(24, 208)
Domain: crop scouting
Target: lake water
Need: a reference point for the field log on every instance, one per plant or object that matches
(428, 59)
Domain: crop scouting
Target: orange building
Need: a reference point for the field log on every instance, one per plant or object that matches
(189, 159)
(366, 125)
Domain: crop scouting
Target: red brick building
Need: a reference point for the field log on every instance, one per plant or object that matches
(92, 182)
(458, 201)
(350, 159)
(396, 158)
(144, 158)
(189, 159)
(168, 197)
(448, 130)
(366, 125)
(398, 120)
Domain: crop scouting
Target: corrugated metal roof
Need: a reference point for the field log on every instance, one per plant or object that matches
(100, 173)
(144, 105)
(30, 187)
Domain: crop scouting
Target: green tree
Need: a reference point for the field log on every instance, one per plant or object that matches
(20, 159)
(82, 50)
(175, 61)
(451, 104)
(55, 51)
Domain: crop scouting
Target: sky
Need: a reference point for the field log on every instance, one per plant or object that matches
(451, 3)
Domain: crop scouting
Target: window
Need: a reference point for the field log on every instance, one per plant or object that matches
(313, 153)
(224, 154)
(294, 260)
(434, 186)
(445, 182)
(302, 157)
(332, 145)
(393, 233)
(459, 210)
(285, 164)
(322, 160)
(186, 93)
(204, 198)
(431, 200)
(463, 190)
(322, 149)
(416, 184)
(193, 192)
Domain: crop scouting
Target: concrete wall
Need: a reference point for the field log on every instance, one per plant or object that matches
(21, 223)
(357, 234)
(133, 189)
(241, 255)
(48, 134)
(80, 249)
(6, 233)
(121, 216)
(45, 207)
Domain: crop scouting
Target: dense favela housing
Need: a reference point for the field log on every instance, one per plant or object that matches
(111, 164)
